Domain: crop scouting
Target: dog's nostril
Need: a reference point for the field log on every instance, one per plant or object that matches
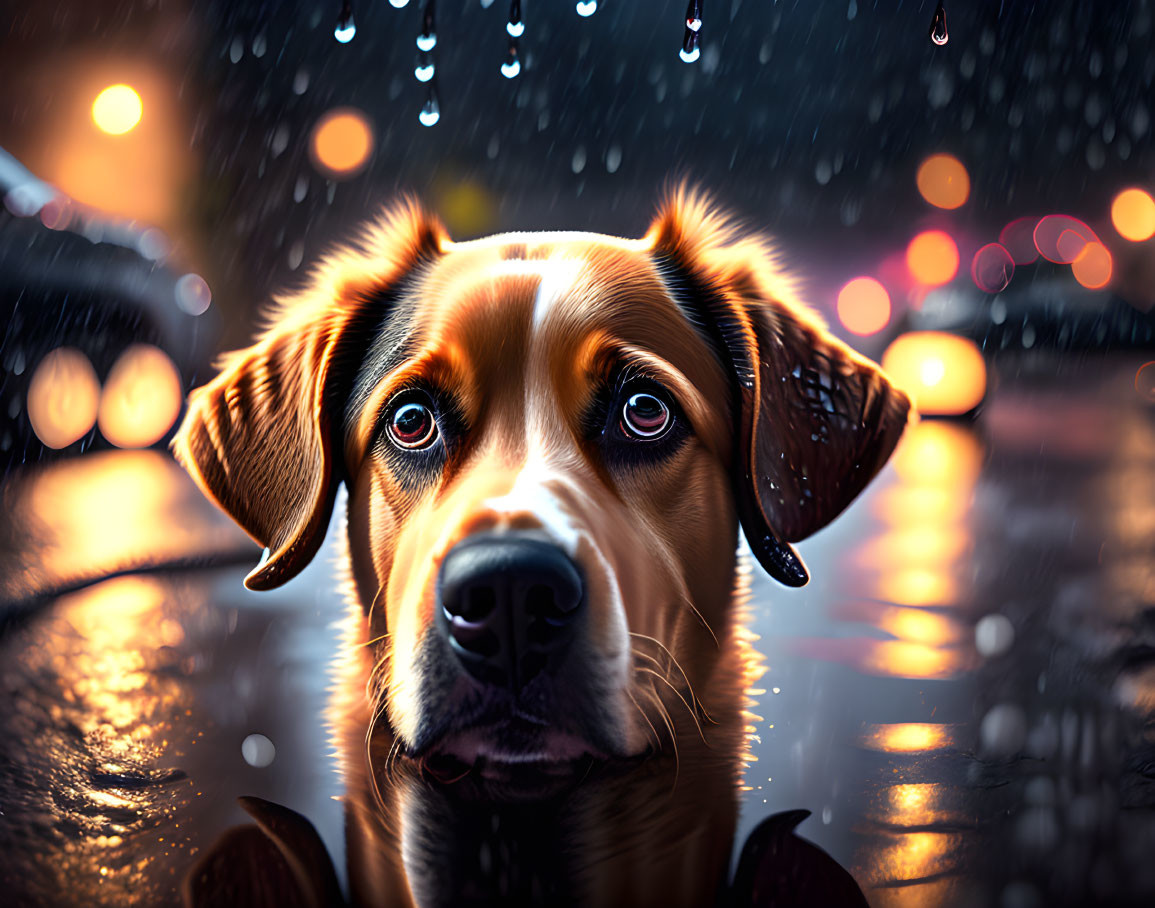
(539, 600)
(479, 602)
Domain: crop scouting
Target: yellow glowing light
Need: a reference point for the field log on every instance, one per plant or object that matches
(864, 306)
(938, 453)
(922, 804)
(903, 659)
(909, 737)
(117, 109)
(1092, 268)
(932, 371)
(932, 258)
(917, 855)
(142, 398)
(919, 626)
(342, 142)
(917, 586)
(920, 506)
(954, 363)
(1133, 214)
(924, 544)
(63, 397)
(943, 181)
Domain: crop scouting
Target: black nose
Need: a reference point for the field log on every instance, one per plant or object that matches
(509, 605)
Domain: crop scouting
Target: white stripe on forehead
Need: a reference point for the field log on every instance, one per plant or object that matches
(558, 277)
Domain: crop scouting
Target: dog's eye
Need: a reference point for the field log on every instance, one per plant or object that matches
(645, 416)
(412, 426)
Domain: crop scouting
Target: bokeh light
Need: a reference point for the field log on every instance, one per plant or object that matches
(943, 181)
(909, 737)
(864, 306)
(1093, 267)
(142, 398)
(992, 268)
(63, 397)
(1061, 238)
(944, 374)
(117, 109)
(1018, 238)
(1145, 381)
(932, 258)
(1133, 214)
(341, 143)
(193, 294)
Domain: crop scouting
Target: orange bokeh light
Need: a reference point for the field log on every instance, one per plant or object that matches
(932, 258)
(342, 142)
(943, 181)
(63, 397)
(944, 374)
(1092, 268)
(1133, 214)
(142, 398)
(864, 306)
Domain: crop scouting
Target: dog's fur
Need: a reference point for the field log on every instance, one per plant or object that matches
(522, 337)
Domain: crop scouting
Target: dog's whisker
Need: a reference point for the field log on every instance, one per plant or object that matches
(676, 663)
(378, 639)
(705, 623)
(681, 698)
(637, 706)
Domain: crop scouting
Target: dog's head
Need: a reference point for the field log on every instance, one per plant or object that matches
(549, 441)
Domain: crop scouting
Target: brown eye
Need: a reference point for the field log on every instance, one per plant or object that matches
(645, 417)
(412, 426)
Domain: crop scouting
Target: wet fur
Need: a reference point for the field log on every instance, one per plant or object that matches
(787, 424)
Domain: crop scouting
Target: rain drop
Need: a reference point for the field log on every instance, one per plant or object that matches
(301, 82)
(512, 66)
(515, 26)
(424, 71)
(430, 111)
(398, 4)
(938, 27)
(585, 10)
(690, 51)
(613, 158)
(694, 15)
(578, 164)
(193, 294)
(236, 50)
(345, 29)
(427, 40)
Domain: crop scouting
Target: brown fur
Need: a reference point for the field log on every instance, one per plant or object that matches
(787, 424)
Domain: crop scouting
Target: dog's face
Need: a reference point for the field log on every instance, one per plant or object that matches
(548, 440)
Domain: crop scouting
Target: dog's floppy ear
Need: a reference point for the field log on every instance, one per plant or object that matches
(262, 439)
(815, 420)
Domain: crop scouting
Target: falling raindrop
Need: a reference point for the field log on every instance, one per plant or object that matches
(515, 26)
(938, 27)
(427, 40)
(512, 65)
(690, 50)
(585, 10)
(694, 15)
(431, 110)
(424, 70)
(345, 29)
(398, 4)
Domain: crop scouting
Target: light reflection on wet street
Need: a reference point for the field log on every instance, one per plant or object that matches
(961, 697)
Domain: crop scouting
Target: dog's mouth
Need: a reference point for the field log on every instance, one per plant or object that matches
(511, 756)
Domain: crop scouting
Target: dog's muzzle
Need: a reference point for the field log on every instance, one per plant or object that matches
(510, 606)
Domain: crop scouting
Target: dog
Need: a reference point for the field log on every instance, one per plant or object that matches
(549, 441)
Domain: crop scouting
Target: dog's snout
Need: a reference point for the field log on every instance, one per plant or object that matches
(510, 604)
